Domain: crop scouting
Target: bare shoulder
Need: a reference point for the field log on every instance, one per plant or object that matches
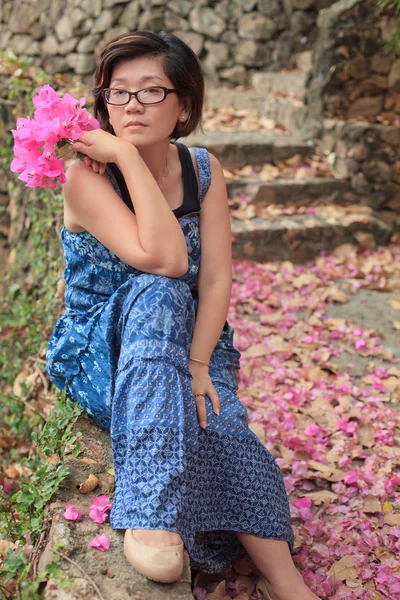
(215, 163)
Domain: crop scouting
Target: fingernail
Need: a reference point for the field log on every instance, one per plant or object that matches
(217, 412)
(203, 424)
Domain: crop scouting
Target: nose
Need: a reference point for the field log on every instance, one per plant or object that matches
(133, 103)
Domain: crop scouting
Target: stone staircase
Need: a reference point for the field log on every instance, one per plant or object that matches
(317, 213)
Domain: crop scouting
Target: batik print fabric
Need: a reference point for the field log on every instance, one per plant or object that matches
(121, 350)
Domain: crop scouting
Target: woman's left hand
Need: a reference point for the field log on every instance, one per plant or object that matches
(202, 384)
(97, 167)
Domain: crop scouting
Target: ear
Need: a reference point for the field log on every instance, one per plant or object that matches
(185, 109)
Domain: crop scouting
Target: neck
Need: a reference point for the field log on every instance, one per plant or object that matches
(155, 157)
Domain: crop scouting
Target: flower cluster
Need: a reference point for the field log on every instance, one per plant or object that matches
(56, 122)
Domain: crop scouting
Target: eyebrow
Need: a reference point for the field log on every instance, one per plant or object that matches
(141, 80)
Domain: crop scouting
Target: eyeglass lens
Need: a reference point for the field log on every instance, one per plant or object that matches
(148, 95)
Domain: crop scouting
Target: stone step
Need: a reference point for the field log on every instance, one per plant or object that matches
(284, 111)
(301, 237)
(324, 190)
(293, 83)
(111, 572)
(243, 148)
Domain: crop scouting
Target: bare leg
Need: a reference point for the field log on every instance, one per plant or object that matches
(273, 559)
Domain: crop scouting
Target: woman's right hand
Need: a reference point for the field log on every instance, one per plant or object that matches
(101, 146)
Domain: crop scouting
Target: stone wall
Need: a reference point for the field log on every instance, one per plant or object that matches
(367, 155)
(233, 38)
(353, 102)
(353, 77)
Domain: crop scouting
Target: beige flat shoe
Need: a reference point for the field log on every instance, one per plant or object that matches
(261, 586)
(163, 563)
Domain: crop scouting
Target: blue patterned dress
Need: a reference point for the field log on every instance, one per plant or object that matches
(121, 350)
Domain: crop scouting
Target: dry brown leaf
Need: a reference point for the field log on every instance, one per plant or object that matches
(365, 435)
(322, 496)
(392, 519)
(285, 453)
(24, 377)
(390, 384)
(383, 553)
(371, 504)
(256, 351)
(395, 303)
(343, 569)
(317, 466)
(258, 429)
(90, 484)
(333, 293)
(338, 475)
(219, 593)
(4, 545)
(54, 459)
(12, 472)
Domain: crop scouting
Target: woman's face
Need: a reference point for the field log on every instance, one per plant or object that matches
(159, 120)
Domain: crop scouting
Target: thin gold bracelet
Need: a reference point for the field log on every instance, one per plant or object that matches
(200, 361)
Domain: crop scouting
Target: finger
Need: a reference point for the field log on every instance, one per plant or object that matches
(80, 147)
(95, 166)
(201, 410)
(102, 168)
(212, 394)
(87, 161)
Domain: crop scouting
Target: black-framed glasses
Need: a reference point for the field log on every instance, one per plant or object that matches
(150, 95)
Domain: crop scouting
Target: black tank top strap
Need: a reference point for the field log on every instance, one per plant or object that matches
(191, 202)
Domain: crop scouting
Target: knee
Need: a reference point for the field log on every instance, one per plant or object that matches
(167, 291)
(159, 306)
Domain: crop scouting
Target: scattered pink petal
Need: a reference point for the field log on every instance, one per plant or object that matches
(101, 542)
(97, 515)
(102, 502)
(7, 487)
(72, 514)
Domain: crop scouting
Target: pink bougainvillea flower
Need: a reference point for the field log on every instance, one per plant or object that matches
(101, 542)
(56, 122)
(97, 515)
(303, 506)
(351, 477)
(360, 344)
(99, 508)
(102, 502)
(7, 487)
(312, 430)
(72, 513)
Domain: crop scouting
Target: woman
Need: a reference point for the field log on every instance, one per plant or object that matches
(144, 345)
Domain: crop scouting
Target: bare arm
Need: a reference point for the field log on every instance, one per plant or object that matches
(152, 240)
(215, 274)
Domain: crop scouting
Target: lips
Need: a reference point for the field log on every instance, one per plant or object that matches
(135, 123)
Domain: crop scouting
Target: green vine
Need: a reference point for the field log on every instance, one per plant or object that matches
(29, 308)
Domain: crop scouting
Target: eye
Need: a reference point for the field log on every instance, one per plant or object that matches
(118, 93)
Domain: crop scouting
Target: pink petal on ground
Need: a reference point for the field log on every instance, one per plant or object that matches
(97, 515)
(101, 542)
(312, 429)
(351, 477)
(102, 502)
(72, 513)
(7, 487)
